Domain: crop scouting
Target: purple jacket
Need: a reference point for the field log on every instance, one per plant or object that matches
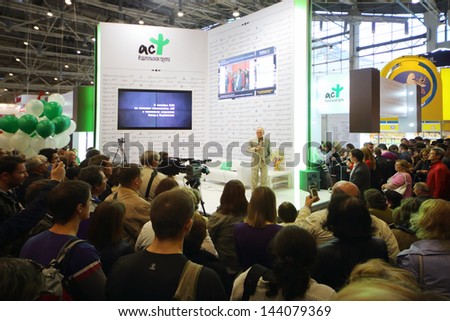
(436, 264)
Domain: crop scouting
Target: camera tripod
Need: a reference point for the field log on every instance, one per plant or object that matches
(195, 184)
(121, 142)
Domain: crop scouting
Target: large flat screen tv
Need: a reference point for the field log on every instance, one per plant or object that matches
(154, 109)
(250, 74)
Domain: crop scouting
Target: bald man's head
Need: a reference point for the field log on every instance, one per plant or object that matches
(346, 188)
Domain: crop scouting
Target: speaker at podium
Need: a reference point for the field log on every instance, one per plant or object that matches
(309, 177)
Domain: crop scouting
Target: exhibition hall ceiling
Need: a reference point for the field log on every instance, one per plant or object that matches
(48, 45)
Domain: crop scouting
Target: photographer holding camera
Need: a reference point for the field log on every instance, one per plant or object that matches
(151, 178)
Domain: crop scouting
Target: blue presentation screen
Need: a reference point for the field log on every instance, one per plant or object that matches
(154, 109)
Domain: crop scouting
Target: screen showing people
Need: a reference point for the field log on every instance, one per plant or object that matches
(250, 74)
(154, 109)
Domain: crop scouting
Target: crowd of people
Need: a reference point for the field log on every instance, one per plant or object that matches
(385, 234)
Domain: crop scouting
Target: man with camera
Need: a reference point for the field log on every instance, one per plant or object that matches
(260, 149)
(151, 178)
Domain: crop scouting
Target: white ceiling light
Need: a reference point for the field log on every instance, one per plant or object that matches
(78, 52)
(93, 39)
(141, 22)
(56, 78)
(180, 13)
(36, 28)
(11, 74)
(49, 13)
(26, 43)
(17, 59)
(236, 13)
(66, 66)
(415, 1)
(68, 2)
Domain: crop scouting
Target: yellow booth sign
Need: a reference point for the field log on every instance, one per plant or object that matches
(420, 71)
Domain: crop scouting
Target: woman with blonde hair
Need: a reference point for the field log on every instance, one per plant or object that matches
(429, 258)
(401, 182)
(252, 237)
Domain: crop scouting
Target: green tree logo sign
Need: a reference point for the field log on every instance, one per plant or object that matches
(156, 46)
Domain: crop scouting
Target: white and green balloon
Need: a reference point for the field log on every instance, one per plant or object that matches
(43, 125)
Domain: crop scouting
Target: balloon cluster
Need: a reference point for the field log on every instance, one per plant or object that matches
(42, 126)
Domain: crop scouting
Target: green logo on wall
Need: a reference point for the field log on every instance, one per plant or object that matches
(336, 92)
(156, 47)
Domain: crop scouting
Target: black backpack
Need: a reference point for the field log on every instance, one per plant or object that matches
(252, 278)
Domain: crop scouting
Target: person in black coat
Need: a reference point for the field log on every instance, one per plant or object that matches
(360, 174)
(350, 222)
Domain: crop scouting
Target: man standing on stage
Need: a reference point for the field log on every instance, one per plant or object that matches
(260, 148)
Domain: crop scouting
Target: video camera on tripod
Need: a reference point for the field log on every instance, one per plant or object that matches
(194, 171)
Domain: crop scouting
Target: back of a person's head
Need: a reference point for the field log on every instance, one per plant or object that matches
(148, 157)
(48, 152)
(166, 185)
(348, 218)
(92, 152)
(407, 208)
(35, 188)
(382, 146)
(346, 187)
(98, 160)
(8, 164)
(35, 162)
(170, 212)
(379, 269)
(20, 280)
(91, 175)
(262, 207)
(377, 151)
(422, 187)
(294, 250)
(393, 148)
(193, 241)
(375, 199)
(287, 212)
(233, 200)
(371, 289)
(432, 221)
(358, 154)
(106, 224)
(394, 198)
(65, 197)
(128, 173)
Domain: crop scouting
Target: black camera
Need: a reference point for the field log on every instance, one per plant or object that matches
(121, 141)
(194, 171)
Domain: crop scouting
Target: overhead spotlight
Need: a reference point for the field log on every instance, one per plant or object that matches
(17, 59)
(236, 13)
(92, 82)
(141, 22)
(36, 27)
(68, 2)
(47, 92)
(66, 66)
(93, 39)
(6, 89)
(78, 52)
(56, 78)
(49, 13)
(180, 13)
(11, 74)
(26, 43)
(415, 1)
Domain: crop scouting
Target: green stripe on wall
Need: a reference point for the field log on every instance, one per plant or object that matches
(84, 111)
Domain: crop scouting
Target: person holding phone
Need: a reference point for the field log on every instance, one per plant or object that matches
(260, 149)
